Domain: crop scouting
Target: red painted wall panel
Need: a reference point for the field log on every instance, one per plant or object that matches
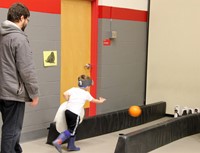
(54, 6)
(94, 54)
(47, 6)
(122, 14)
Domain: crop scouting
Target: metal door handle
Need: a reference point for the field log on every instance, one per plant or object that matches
(88, 66)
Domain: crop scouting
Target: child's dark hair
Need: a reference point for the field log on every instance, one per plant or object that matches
(84, 81)
(16, 11)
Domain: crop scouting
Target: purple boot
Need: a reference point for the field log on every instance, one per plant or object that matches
(61, 138)
(71, 146)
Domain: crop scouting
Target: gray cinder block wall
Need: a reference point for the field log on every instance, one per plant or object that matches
(44, 34)
(121, 68)
(122, 65)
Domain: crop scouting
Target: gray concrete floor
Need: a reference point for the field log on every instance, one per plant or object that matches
(189, 144)
(107, 143)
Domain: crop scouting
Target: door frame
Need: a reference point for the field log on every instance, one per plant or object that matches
(94, 51)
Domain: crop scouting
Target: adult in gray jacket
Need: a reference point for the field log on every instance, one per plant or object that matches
(18, 81)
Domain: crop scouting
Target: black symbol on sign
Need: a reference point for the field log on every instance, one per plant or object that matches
(51, 58)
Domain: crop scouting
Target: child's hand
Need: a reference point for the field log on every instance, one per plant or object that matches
(101, 99)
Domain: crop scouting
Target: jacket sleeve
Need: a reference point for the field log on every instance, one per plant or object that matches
(26, 68)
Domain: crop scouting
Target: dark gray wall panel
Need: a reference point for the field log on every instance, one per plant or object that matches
(122, 65)
(44, 34)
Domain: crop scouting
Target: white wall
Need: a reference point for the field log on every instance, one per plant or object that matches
(174, 53)
(130, 4)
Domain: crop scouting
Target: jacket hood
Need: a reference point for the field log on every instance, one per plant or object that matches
(8, 27)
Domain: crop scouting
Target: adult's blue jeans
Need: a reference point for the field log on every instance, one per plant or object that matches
(12, 116)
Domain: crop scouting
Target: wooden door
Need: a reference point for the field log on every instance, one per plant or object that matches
(75, 42)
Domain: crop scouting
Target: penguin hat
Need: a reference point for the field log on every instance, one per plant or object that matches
(84, 81)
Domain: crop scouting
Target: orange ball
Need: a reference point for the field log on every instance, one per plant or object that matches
(135, 111)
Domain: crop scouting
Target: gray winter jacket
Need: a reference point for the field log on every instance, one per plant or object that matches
(18, 81)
